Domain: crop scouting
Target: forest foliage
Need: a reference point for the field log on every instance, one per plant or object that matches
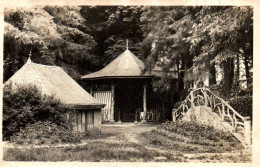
(199, 38)
(83, 39)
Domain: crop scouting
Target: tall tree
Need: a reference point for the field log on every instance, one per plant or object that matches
(45, 31)
(111, 26)
(166, 30)
(218, 35)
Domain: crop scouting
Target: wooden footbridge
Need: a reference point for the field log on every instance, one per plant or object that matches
(230, 119)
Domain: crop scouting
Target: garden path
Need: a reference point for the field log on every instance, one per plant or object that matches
(119, 133)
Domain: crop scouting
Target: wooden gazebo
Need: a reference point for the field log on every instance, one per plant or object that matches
(130, 88)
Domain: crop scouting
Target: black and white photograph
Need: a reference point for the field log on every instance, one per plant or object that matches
(128, 83)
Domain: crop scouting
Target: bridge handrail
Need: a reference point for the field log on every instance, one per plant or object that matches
(225, 111)
(230, 107)
(207, 93)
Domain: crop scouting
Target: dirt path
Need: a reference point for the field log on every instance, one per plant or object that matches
(122, 133)
(127, 133)
(130, 133)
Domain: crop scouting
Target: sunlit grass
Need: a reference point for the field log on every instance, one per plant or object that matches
(169, 142)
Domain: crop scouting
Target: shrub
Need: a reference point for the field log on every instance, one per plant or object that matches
(196, 131)
(45, 133)
(26, 105)
(241, 99)
(177, 104)
(218, 89)
(243, 105)
(183, 94)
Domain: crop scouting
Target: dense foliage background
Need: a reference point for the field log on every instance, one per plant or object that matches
(80, 39)
(214, 42)
(83, 39)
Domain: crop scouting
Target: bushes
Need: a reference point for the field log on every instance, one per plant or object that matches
(177, 104)
(26, 105)
(243, 105)
(235, 91)
(219, 90)
(45, 133)
(187, 137)
(196, 131)
(241, 99)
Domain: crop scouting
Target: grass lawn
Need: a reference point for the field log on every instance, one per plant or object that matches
(143, 143)
(92, 152)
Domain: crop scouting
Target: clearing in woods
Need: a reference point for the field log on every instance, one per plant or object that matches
(128, 142)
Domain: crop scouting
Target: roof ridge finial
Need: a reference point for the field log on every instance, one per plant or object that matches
(29, 58)
(126, 44)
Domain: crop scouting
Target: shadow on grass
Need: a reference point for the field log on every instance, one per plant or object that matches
(93, 152)
(190, 138)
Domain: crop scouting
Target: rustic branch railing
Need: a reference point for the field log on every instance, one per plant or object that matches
(204, 97)
(153, 115)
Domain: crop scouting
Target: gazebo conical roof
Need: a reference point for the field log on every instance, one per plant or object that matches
(126, 65)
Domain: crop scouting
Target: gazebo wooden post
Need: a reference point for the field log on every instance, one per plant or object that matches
(112, 119)
(144, 104)
(119, 118)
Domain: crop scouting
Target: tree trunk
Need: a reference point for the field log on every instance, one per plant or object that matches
(226, 66)
(238, 66)
(212, 78)
(231, 71)
(246, 59)
(237, 72)
(247, 70)
(181, 76)
(163, 107)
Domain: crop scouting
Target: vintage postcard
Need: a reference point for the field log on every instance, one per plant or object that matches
(148, 83)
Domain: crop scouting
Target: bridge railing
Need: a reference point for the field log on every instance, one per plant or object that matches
(205, 97)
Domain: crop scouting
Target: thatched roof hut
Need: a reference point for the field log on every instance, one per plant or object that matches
(53, 80)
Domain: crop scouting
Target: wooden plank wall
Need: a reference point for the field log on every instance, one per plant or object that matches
(90, 121)
(85, 121)
(104, 97)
